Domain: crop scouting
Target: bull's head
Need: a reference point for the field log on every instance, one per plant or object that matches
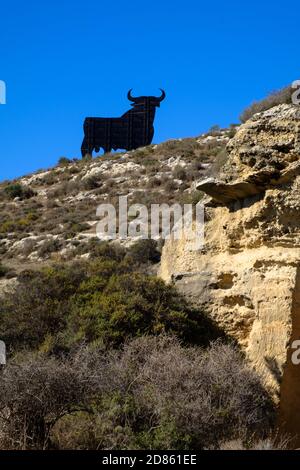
(146, 100)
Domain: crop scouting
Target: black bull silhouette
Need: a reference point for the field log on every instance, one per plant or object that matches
(132, 130)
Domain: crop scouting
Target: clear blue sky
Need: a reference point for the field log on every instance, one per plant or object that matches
(64, 60)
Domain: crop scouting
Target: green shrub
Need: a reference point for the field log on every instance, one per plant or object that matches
(18, 225)
(92, 182)
(102, 250)
(214, 130)
(39, 306)
(191, 198)
(3, 270)
(179, 173)
(132, 304)
(154, 182)
(219, 162)
(49, 246)
(17, 190)
(103, 300)
(64, 161)
(144, 251)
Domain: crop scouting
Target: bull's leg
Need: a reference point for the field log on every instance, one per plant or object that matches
(106, 149)
(86, 149)
(150, 136)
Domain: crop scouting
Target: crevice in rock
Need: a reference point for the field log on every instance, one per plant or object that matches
(289, 411)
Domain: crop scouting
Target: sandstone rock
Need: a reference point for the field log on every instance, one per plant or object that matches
(269, 141)
(263, 154)
(247, 277)
(253, 184)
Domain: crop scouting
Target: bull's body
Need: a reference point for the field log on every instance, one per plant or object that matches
(132, 130)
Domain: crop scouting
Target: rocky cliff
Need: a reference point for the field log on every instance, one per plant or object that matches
(247, 275)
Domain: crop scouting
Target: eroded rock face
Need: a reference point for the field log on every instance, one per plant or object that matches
(263, 154)
(247, 276)
(268, 142)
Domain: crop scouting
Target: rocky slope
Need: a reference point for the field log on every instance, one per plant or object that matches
(51, 214)
(247, 275)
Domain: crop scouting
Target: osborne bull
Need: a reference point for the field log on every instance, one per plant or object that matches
(132, 130)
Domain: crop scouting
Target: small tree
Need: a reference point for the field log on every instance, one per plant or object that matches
(38, 391)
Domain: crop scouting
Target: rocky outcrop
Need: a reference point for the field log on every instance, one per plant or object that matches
(247, 275)
(250, 186)
(263, 154)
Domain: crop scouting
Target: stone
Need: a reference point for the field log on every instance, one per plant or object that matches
(247, 276)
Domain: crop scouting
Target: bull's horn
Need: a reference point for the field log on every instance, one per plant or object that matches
(163, 95)
(129, 96)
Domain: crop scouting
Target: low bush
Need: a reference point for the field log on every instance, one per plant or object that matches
(179, 173)
(144, 251)
(17, 225)
(18, 190)
(49, 246)
(152, 394)
(92, 182)
(219, 162)
(106, 300)
(133, 304)
(64, 161)
(170, 186)
(3, 270)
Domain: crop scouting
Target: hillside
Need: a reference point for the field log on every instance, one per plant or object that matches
(145, 344)
(51, 214)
